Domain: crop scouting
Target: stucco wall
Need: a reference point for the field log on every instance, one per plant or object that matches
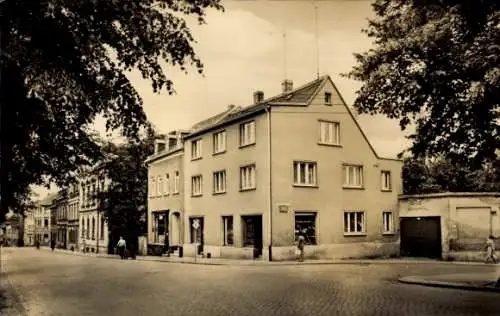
(329, 199)
(467, 219)
(234, 202)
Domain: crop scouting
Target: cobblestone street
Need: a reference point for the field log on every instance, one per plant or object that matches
(59, 284)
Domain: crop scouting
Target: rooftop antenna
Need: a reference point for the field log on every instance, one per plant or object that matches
(317, 37)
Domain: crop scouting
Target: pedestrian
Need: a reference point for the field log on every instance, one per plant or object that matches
(490, 250)
(52, 244)
(37, 244)
(121, 245)
(300, 246)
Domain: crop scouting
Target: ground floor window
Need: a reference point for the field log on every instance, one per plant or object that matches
(196, 228)
(102, 228)
(354, 222)
(305, 224)
(387, 221)
(252, 231)
(160, 227)
(227, 222)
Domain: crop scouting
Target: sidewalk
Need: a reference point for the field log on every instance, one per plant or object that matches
(247, 262)
(471, 281)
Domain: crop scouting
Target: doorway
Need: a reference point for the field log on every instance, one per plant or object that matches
(421, 237)
(252, 233)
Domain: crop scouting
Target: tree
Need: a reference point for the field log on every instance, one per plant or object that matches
(125, 201)
(65, 62)
(435, 64)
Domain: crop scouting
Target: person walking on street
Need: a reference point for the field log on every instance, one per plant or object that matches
(52, 244)
(490, 250)
(300, 246)
(121, 247)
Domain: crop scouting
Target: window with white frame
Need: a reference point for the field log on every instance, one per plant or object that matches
(227, 223)
(247, 177)
(219, 142)
(196, 185)
(160, 185)
(353, 176)
(167, 184)
(247, 133)
(220, 181)
(328, 98)
(388, 222)
(329, 133)
(304, 173)
(385, 178)
(354, 222)
(176, 182)
(196, 149)
(153, 187)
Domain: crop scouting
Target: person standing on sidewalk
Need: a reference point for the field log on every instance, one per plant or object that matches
(121, 245)
(490, 250)
(52, 244)
(300, 246)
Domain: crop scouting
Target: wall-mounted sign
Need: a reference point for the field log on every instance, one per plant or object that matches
(283, 208)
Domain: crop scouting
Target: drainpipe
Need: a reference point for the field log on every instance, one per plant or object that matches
(270, 204)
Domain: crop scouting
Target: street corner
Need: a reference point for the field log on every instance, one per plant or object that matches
(470, 282)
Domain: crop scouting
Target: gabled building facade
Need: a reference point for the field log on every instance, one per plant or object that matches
(93, 229)
(73, 216)
(61, 219)
(166, 194)
(256, 177)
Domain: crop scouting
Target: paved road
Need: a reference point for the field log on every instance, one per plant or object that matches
(61, 284)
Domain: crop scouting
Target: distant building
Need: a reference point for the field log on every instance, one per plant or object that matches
(62, 219)
(29, 225)
(45, 221)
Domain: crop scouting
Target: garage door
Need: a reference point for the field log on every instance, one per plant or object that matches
(421, 237)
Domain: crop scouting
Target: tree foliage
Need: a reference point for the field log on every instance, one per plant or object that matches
(124, 203)
(436, 64)
(441, 175)
(65, 62)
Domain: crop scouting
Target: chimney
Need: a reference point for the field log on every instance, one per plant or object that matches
(258, 96)
(230, 107)
(287, 85)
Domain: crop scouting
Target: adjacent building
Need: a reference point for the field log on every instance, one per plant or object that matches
(61, 219)
(73, 197)
(256, 177)
(45, 220)
(92, 224)
(29, 225)
(166, 194)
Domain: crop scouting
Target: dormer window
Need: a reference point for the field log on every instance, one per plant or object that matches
(328, 98)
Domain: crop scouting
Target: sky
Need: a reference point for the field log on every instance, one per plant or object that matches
(244, 49)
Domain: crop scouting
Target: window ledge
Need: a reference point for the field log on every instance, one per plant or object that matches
(247, 189)
(329, 144)
(389, 233)
(386, 190)
(175, 193)
(196, 195)
(297, 185)
(354, 234)
(219, 153)
(197, 158)
(346, 187)
(218, 193)
(246, 145)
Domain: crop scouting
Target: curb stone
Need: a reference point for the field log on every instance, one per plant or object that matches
(442, 284)
(250, 262)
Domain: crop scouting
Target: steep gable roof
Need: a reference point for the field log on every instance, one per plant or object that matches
(214, 119)
(302, 94)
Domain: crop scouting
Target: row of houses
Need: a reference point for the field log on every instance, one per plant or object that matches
(71, 217)
(245, 182)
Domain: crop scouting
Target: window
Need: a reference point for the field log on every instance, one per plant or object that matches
(196, 233)
(388, 222)
(304, 173)
(46, 223)
(305, 223)
(354, 222)
(196, 149)
(153, 187)
(160, 186)
(247, 133)
(353, 176)
(329, 133)
(160, 224)
(385, 180)
(227, 222)
(102, 229)
(219, 142)
(167, 184)
(93, 228)
(88, 229)
(247, 177)
(176, 182)
(83, 228)
(196, 186)
(328, 98)
(220, 181)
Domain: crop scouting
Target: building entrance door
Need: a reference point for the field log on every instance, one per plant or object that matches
(252, 233)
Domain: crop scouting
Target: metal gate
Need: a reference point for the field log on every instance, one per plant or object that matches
(421, 236)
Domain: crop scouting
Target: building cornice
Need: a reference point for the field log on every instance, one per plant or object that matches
(448, 195)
